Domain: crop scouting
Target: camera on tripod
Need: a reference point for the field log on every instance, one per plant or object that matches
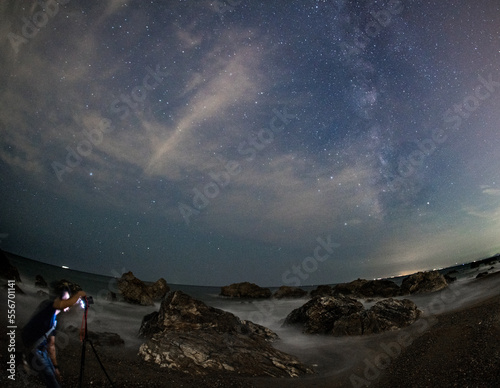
(85, 301)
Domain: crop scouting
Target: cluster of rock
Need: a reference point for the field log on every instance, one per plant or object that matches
(245, 290)
(420, 282)
(189, 336)
(135, 291)
(248, 290)
(342, 315)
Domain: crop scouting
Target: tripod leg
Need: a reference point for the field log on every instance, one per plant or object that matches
(100, 363)
(82, 363)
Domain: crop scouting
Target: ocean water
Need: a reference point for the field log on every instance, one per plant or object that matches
(329, 355)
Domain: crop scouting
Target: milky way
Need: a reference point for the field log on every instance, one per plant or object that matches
(210, 142)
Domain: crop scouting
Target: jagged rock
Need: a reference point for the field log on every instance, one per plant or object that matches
(189, 336)
(341, 315)
(322, 290)
(135, 291)
(289, 292)
(318, 316)
(159, 289)
(7, 270)
(245, 290)
(98, 338)
(40, 281)
(362, 288)
(481, 275)
(390, 314)
(422, 282)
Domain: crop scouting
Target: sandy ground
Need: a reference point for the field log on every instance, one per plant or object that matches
(458, 348)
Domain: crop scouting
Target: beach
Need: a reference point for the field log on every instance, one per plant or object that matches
(456, 342)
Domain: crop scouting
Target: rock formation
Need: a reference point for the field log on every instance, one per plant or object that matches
(289, 292)
(422, 282)
(245, 290)
(135, 291)
(322, 290)
(189, 336)
(40, 281)
(362, 288)
(341, 315)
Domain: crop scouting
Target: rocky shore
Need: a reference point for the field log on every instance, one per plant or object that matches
(394, 343)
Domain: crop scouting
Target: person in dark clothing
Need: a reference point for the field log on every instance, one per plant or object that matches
(38, 336)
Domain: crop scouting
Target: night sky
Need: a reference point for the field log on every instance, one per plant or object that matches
(277, 142)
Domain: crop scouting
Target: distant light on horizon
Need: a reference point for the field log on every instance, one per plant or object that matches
(64, 267)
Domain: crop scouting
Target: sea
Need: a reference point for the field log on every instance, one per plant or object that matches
(329, 355)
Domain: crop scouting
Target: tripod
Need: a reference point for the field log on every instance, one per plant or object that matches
(84, 343)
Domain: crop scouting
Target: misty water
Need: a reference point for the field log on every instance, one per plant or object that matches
(329, 355)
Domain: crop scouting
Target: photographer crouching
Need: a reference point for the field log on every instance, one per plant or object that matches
(38, 335)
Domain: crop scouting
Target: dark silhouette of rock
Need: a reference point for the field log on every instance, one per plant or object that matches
(361, 288)
(98, 338)
(488, 261)
(390, 314)
(341, 315)
(40, 282)
(111, 296)
(289, 292)
(7, 270)
(245, 290)
(189, 336)
(322, 290)
(318, 316)
(481, 275)
(449, 279)
(135, 291)
(422, 282)
(159, 289)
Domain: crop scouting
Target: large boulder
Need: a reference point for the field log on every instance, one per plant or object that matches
(341, 315)
(422, 282)
(390, 314)
(319, 315)
(322, 290)
(289, 292)
(245, 290)
(189, 336)
(361, 288)
(135, 291)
